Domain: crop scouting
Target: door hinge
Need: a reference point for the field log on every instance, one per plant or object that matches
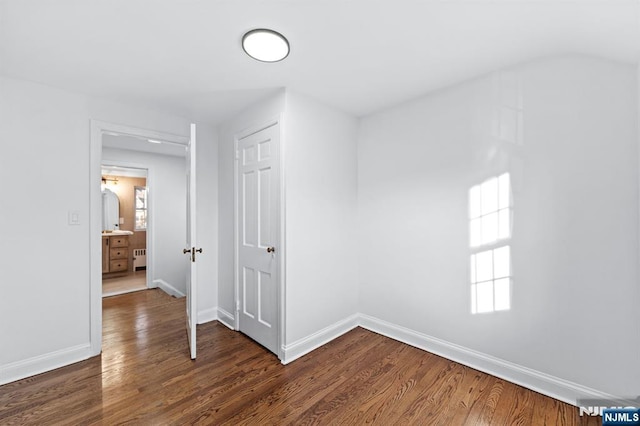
(237, 154)
(237, 306)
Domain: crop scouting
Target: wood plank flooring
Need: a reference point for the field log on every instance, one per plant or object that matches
(145, 377)
(133, 281)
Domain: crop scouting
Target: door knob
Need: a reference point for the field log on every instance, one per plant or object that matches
(193, 252)
(271, 249)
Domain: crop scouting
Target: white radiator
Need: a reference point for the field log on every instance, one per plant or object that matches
(139, 259)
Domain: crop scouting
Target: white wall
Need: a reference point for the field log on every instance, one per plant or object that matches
(321, 212)
(44, 262)
(207, 220)
(259, 113)
(167, 200)
(575, 235)
(319, 149)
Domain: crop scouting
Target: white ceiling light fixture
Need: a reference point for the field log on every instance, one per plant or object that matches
(265, 45)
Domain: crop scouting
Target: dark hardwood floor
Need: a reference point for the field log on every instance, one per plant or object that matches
(145, 376)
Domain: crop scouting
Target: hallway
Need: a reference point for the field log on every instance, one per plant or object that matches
(133, 281)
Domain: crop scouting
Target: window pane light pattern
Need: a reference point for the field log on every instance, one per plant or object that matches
(491, 280)
(490, 211)
(490, 206)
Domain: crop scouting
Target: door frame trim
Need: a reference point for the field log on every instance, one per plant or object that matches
(98, 129)
(280, 232)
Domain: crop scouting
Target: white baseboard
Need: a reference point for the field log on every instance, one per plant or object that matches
(543, 383)
(168, 288)
(40, 364)
(226, 318)
(305, 345)
(207, 315)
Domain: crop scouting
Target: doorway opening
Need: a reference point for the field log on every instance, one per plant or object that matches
(125, 214)
(133, 143)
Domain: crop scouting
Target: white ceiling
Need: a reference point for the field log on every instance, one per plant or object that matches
(143, 145)
(110, 171)
(360, 56)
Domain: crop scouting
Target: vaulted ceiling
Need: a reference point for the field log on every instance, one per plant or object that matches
(360, 56)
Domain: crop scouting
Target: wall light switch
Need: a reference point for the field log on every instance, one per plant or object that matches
(74, 217)
(122, 221)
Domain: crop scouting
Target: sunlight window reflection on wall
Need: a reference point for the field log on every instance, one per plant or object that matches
(490, 211)
(509, 107)
(491, 280)
(489, 233)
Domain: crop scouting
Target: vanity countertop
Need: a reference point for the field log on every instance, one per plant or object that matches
(116, 232)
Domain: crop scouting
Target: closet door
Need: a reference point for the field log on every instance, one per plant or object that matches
(258, 249)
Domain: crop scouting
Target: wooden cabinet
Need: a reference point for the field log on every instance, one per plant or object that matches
(115, 254)
(105, 254)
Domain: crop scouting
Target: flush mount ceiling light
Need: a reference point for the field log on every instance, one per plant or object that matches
(265, 45)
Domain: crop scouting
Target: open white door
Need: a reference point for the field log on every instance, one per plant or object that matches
(191, 243)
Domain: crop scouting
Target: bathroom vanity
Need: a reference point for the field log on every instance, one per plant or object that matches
(115, 254)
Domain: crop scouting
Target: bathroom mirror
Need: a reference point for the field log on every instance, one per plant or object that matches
(110, 210)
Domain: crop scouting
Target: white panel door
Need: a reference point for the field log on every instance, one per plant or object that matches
(258, 216)
(191, 244)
